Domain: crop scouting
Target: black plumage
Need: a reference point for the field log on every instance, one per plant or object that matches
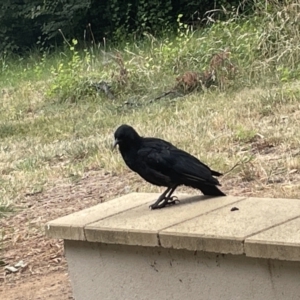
(162, 164)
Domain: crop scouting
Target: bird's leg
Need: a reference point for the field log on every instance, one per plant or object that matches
(160, 199)
(165, 199)
(173, 199)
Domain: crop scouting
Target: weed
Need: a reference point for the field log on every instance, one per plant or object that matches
(69, 83)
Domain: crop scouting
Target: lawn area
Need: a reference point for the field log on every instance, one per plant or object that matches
(57, 124)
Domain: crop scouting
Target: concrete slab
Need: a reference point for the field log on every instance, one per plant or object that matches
(140, 226)
(71, 227)
(224, 231)
(280, 242)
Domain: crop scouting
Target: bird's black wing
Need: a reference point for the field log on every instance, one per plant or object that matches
(165, 162)
(162, 144)
(191, 170)
(150, 164)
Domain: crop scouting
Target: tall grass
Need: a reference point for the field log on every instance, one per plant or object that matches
(54, 123)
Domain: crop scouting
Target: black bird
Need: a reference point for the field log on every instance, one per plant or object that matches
(162, 164)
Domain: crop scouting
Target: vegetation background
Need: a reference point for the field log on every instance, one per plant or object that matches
(219, 79)
(34, 23)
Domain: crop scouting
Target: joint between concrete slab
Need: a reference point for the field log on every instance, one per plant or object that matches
(265, 229)
(272, 226)
(158, 240)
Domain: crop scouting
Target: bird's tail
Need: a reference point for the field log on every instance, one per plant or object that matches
(215, 173)
(211, 190)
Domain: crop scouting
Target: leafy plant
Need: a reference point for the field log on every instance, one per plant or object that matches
(69, 83)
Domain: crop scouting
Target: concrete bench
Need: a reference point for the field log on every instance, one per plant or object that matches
(198, 249)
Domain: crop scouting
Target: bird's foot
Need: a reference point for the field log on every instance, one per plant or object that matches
(160, 203)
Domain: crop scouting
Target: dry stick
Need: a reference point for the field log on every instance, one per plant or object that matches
(84, 37)
(163, 95)
(166, 94)
(90, 27)
(236, 165)
(64, 37)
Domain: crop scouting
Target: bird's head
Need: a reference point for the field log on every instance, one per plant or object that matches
(125, 135)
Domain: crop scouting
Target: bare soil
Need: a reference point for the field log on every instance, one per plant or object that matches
(45, 274)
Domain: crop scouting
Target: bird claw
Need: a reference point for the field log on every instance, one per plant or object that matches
(164, 202)
(172, 200)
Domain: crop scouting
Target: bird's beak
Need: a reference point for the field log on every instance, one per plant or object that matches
(115, 143)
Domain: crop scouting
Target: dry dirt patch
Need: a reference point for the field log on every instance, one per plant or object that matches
(24, 238)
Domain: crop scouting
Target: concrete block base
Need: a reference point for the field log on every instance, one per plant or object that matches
(111, 272)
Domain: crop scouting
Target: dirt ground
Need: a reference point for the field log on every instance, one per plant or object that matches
(44, 274)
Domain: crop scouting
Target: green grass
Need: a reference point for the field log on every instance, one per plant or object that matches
(53, 124)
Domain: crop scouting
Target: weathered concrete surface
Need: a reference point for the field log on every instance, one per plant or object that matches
(280, 242)
(260, 227)
(140, 226)
(224, 231)
(71, 227)
(110, 272)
